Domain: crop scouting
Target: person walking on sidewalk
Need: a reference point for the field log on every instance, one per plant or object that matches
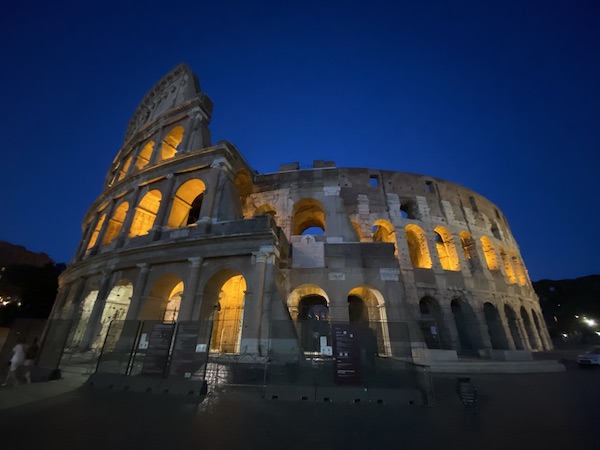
(30, 355)
(17, 360)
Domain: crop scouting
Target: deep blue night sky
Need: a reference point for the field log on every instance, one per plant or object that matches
(502, 97)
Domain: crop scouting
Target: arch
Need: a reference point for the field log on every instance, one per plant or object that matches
(527, 324)
(173, 303)
(408, 209)
(145, 213)
(223, 304)
(307, 213)
(167, 288)
(265, 209)
(124, 169)
(490, 254)
(309, 308)
(243, 183)
(356, 227)
(495, 328)
(417, 247)
(539, 329)
(467, 327)
(520, 272)
(383, 231)
(115, 308)
(431, 323)
(168, 147)
(510, 273)
(96, 231)
(469, 249)
(366, 307)
(186, 204)
(85, 311)
(143, 157)
(495, 231)
(446, 250)
(115, 223)
(511, 318)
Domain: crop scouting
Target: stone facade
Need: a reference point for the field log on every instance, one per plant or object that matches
(187, 230)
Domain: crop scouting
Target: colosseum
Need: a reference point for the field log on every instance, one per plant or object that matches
(186, 232)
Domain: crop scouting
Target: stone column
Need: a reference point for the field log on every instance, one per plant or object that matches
(189, 294)
(254, 305)
(484, 332)
(534, 331)
(506, 328)
(109, 213)
(164, 208)
(86, 238)
(139, 288)
(160, 135)
(190, 127)
(446, 311)
(207, 210)
(96, 315)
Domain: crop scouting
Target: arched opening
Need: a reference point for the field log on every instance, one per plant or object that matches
(223, 303)
(265, 210)
(124, 169)
(186, 204)
(518, 268)
(469, 249)
(96, 232)
(538, 327)
(495, 328)
(528, 328)
(495, 231)
(408, 209)
(143, 158)
(357, 231)
(115, 308)
(84, 313)
(432, 326)
(466, 328)
(162, 303)
(366, 309)
(446, 250)
(383, 231)
(309, 308)
(510, 273)
(115, 223)
(308, 213)
(169, 145)
(490, 254)
(145, 213)
(511, 318)
(417, 247)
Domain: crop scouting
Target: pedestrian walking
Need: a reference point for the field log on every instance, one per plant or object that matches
(30, 356)
(17, 360)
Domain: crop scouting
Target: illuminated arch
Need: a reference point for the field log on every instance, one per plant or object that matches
(510, 273)
(490, 254)
(167, 289)
(520, 272)
(145, 213)
(446, 250)
(304, 290)
(417, 247)
(366, 305)
(307, 213)
(144, 156)
(168, 147)
(96, 231)
(309, 308)
(186, 204)
(115, 309)
(124, 169)
(115, 223)
(511, 318)
(265, 209)
(356, 227)
(469, 248)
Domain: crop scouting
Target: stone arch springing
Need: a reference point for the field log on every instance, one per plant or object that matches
(96, 232)
(308, 213)
(510, 273)
(366, 306)
(446, 250)
(145, 213)
(223, 304)
(383, 231)
(186, 204)
(491, 258)
(143, 157)
(513, 326)
(164, 290)
(309, 308)
(432, 325)
(520, 272)
(469, 249)
(124, 169)
(467, 327)
(168, 147)
(115, 223)
(528, 328)
(417, 247)
(115, 308)
(495, 328)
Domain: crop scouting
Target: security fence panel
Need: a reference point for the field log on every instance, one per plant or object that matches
(118, 347)
(55, 339)
(190, 350)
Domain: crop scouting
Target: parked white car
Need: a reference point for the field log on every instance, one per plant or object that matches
(589, 358)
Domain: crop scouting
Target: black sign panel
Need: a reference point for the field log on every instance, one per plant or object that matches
(157, 355)
(347, 355)
(188, 355)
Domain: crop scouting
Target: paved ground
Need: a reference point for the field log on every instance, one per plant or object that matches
(534, 411)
